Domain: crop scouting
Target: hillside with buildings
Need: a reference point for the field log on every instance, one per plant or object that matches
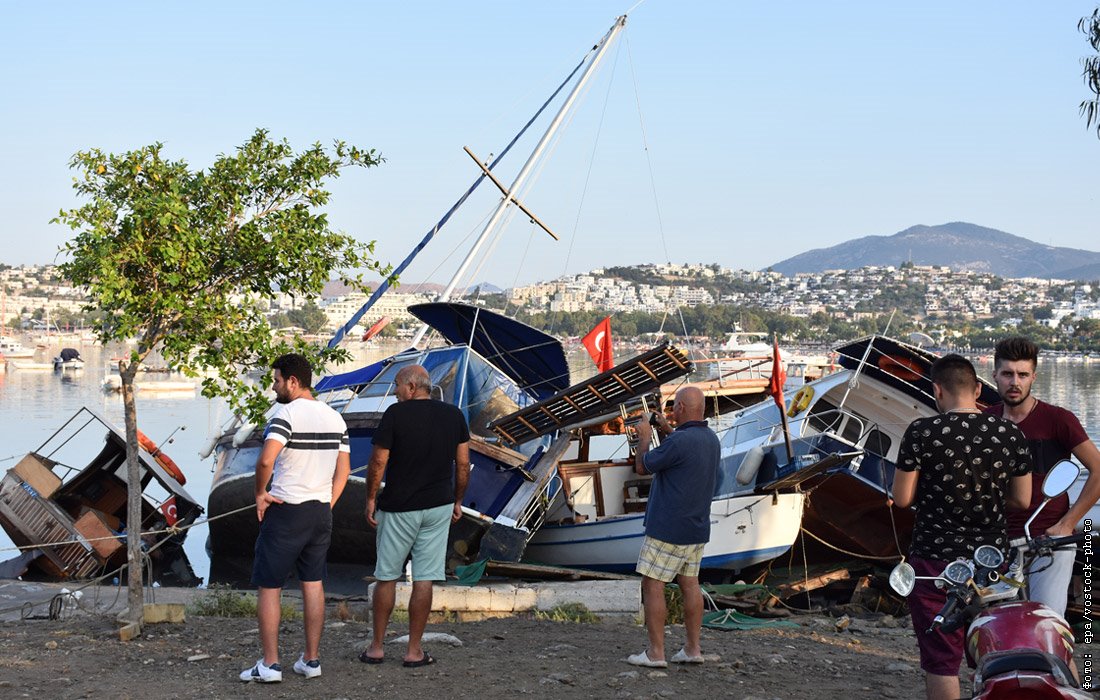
(709, 299)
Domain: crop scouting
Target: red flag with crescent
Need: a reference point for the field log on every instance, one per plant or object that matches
(598, 343)
(168, 508)
(779, 376)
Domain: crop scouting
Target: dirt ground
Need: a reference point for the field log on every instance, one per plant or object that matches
(82, 657)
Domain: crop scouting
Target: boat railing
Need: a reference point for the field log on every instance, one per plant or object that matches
(534, 515)
(763, 430)
(833, 420)
(739, 367)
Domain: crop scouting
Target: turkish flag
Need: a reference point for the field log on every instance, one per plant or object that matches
(598, 343)
(168, 508)
(779, 376)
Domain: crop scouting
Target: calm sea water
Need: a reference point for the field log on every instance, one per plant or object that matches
(35, 403)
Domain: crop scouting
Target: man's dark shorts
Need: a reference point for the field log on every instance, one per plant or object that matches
(292, 534)
(940, 654)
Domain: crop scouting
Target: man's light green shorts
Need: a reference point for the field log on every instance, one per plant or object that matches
(422, 533)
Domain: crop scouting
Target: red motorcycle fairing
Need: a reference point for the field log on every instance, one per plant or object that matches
(1019, 625)
(1026, 685)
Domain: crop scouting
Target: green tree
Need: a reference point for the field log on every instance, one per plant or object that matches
(309, 318)
(1090, 109)
(185, 260)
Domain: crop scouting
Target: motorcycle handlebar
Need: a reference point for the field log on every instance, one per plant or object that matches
(1047, 542)
(946, 612)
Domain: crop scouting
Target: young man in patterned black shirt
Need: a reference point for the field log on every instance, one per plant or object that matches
(962, 470)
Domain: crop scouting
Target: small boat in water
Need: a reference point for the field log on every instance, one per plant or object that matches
(113, 383)
(65, 503)
(68, 360)
(12, 349)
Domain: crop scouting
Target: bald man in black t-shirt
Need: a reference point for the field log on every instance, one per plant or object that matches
(422, 447)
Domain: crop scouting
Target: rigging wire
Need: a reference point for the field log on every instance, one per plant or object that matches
(527, 186)
(522, 262)
(588, 173)
(653, 180)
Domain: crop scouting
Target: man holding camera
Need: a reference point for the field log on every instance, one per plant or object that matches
(677, 522)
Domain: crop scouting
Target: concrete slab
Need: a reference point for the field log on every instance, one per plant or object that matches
(598, 596)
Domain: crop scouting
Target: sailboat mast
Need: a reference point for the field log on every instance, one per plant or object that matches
(517, 183)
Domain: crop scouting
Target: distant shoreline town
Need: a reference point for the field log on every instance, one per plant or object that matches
(959, 308)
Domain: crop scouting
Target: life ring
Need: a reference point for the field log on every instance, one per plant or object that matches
(904, 368)
(801, 401)
(162, 459)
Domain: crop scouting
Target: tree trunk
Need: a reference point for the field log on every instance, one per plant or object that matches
(134, 570)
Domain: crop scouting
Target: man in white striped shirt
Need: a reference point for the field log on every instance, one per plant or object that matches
(306, 458)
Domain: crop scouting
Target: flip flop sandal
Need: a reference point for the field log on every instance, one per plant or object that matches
(370, 659)
(426, 660)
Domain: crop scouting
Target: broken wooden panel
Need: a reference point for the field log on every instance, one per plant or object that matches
(596, 397)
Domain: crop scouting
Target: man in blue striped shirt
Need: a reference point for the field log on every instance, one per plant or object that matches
(306, 458)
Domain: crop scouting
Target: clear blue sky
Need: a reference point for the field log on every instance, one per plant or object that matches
(772, 127)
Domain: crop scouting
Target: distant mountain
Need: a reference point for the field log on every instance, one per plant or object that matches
(958, 245)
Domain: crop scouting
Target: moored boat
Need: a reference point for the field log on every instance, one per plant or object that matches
(12, 349)
(68, 360)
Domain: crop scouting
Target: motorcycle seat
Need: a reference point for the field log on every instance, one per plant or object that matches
(1028, 660)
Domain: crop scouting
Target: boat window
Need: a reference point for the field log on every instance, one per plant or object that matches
(382, 385)
(853, 429)
(878, 442)
(824, 416)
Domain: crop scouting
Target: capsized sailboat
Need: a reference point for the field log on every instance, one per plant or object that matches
(491, 366)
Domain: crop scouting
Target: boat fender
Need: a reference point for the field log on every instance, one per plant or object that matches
(242, 434)
(750, 464)
(208, 447)
(800, 401)
(166, 463)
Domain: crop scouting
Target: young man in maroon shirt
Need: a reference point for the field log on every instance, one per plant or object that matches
(1053, 433)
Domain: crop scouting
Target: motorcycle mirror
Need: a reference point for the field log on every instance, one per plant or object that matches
(1058, 480)
(1060, 477)
(903, 578)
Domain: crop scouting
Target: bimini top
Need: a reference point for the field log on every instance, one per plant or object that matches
(533, 359)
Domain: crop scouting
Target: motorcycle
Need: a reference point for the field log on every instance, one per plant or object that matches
(1018, 648)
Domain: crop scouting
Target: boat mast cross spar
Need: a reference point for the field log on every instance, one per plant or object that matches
(510, 194)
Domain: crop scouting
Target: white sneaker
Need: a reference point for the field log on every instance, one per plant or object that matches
(309, 669)
(263, 674)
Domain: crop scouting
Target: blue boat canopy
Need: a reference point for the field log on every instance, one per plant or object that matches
(356, 377)
(533, 359)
